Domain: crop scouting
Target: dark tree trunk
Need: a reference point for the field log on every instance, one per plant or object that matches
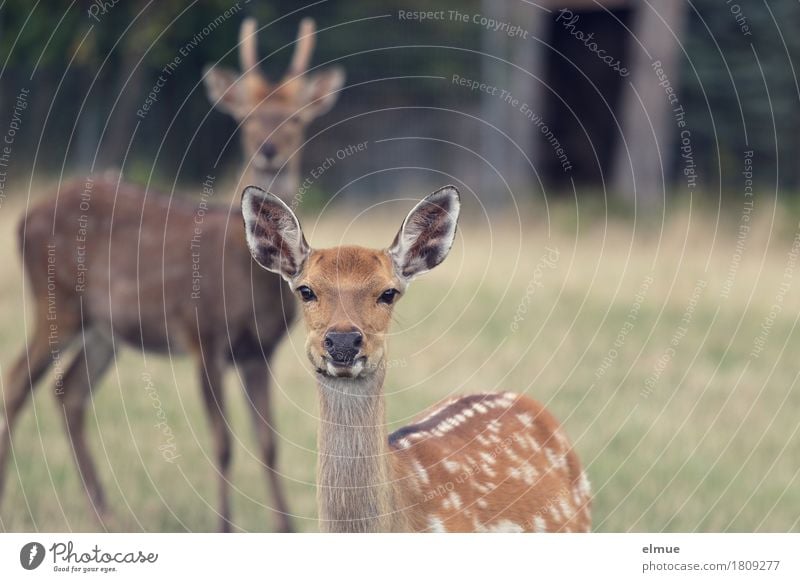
(645, 151)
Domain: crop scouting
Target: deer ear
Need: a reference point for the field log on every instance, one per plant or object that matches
(321, 90)
(427, 233)
(273, 233)
(225, 90)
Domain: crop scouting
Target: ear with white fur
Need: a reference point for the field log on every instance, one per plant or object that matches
(321, 90)
(273, 233)
(427, 233)
(226, 90)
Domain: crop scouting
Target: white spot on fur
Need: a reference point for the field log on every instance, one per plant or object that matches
(584, 486)
(562, 440)
(566, 508)
(526, 419)
(487, 458)
(451, 467)
(436, 525)
(505, 402)
(455, 500)
(529, 473)
(515, 458)
(555, 460)
(533, 443)
(421, 472)
(539, 524)
(483, 487)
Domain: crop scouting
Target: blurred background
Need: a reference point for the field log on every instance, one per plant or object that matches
(730, 63)
(630, 175)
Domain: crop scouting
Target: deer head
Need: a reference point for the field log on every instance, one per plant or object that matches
(513, 462)
(348, 293)
(274, 116)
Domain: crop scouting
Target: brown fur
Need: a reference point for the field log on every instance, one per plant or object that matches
(348, 281)
(493, 462)
(274, 116)
(138, 289)
(139, 282)
(500, 474)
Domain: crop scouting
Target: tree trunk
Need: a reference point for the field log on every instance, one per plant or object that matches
(496, 147)
(527, 85)
(645, 151)
(131, 91)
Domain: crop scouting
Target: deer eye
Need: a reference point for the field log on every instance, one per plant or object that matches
(388, 296)
(306, 294)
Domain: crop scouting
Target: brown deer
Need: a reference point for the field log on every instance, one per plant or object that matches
(110, 263)
(486, 462)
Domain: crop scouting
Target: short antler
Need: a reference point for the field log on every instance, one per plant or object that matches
(304, 48)
(248, 49)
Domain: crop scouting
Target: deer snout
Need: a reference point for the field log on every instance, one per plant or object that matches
(269, 150)
(343, 346)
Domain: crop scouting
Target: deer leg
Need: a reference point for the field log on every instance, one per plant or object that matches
(211, 381)
(257, 385)
(83, 375)
(24, 375)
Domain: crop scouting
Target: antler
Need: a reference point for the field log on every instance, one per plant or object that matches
(304, 48)
(248, 49)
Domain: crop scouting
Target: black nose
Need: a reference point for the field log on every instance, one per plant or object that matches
(343, 346)
(268, 150)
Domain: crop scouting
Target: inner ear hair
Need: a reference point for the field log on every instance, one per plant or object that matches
(427, 233)
(273, 233)
(224, 90)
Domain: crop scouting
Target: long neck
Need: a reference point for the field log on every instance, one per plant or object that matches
(285, 184)
(355, 481)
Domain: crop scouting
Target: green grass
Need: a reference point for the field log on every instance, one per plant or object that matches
(714, 447)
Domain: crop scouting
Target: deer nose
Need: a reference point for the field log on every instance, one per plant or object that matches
(343, 346)
(268, 150)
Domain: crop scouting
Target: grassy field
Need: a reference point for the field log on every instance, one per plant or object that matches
(637, 335)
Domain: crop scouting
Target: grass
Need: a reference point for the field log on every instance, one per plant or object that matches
(712, 445)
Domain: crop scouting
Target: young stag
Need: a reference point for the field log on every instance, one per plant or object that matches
(110, 263)
(486, 462)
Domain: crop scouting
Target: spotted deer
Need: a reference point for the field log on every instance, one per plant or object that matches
(482, 463)
(110, 263)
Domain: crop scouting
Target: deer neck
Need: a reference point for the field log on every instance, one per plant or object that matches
(355, 477)
(284, 183)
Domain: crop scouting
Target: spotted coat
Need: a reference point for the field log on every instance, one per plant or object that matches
(490, 463)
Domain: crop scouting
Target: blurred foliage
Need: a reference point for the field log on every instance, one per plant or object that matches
(88, 76)
(742, 89)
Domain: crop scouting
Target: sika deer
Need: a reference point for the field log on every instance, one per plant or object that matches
(486, 462)
(110, 263)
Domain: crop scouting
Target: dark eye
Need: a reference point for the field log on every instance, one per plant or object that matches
(388, 296)
(306, 294)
